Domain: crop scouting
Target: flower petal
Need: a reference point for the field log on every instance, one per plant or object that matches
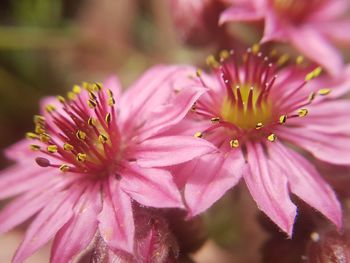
(152, 89)
(20, 178)
(171, 113)
(23, 207)
(240, 13)
(77, 234)
(210, 178)
(305, 182)
(170, 150)
(316, 47)
(116, 222)
(330, 147)
(55, 214)
(113, 83)
(151, 187)
(269, 189)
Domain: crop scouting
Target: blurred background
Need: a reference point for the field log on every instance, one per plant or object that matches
(47, 46)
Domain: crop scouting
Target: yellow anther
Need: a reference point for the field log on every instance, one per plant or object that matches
(224, 54)
(81, 157)
(302, 112)
(68, 147)
(259, 125)
(81, 135)
(273, 53)
(282, 119)
(64, 168)
(44, 137)
(31, 135)
(311, 97)
(91, 121)
(86, 86)
(283, 59)
(39, 129)
(256, 48)
(109, 93)
(71, 95)
(92, 96)
(299, 60)
(313, 74)
(111, 101)
(215, 120)
(97, 86)
(323, 92)
(61, 99)
(198, 72)
(198, 135)
(50, 108)
(108, 118)
(76, 89)
(52, 148)
(39, 119)
(212, 62)
(272, 137)
(234, 143)
(102, 138)
(92, 103)
(34, 147)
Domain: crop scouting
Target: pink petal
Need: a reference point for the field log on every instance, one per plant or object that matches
(116, 218)
(23, 207)
(272, 29)
(332, 148)
(154, 88)
(151, 187)
(55, 214)
(172, 113)
(19, 151)
(113, 83)
(77, 234)
(330, 10)
(338, 30)
(269, 189)
(20, 178)
(170, 150)
(240, 13)
(210, 178)
(306, 182)
(316, 47)
(327, 116)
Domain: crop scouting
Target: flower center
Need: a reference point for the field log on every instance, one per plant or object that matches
(250, 103)
(80, 133)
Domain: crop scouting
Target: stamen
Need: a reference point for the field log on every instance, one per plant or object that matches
(198, 135)
(324, 92)
(43, 162)
(81, 135)
(108, 118)
(91, 121)
(64, 168)
(299, 60)
(81, 157)
(31, 135)
(52, 148)
(44, 137)
(259, 125)
(102, 138)
(68, 147)
(215, 120)
(234, 143)
(282, 119)
(76, 89)
(313, 74)
(92, 103)
(50, 108)
(302, 112)
(272, 137)
(34, 147)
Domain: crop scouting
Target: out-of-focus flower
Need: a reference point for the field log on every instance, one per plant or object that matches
(309, 26)
(253, 115)
(197, 21)
(328, 246)
(94, 155)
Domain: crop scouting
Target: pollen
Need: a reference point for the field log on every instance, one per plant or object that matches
(64, 168)
(282, 119)
(81, 135)
(272, 137)
(198, 135)
(303, 112)
(68, 147)
(52, 148)
(324, 92)
(81, 157)
(234, 143)
(102, 138)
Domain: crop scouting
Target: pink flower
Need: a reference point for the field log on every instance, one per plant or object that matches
(309, 26)
(96, 152)
(261, 116)
(196, 21)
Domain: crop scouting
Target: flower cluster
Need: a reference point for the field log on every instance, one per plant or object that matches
(101, 165)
